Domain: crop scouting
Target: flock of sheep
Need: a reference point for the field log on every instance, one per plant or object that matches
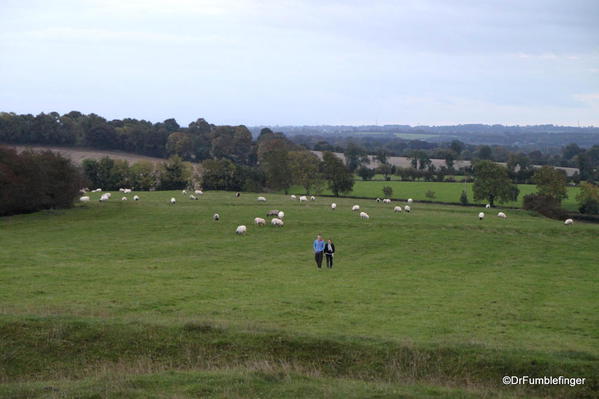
(277, 220)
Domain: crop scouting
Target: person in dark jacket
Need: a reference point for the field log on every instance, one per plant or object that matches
(329, 251)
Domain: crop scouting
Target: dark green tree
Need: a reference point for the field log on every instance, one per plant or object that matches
(492, 183)
(339, 178)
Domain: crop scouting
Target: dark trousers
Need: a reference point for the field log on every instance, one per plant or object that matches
(318, 259)
(329, 260)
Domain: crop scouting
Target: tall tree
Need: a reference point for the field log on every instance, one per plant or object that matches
(491, 183)
(339, 178)
(551, 182)
(306, 170)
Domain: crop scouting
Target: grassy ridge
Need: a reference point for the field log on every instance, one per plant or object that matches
(444, 192)
(104, 281)
(54, 349)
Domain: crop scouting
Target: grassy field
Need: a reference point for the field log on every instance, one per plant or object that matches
(444, 192)
(145, 299)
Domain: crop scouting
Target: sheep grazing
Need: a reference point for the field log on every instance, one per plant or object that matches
(136, 198)
(241, 229)
(121, 189)
(355, 208)
(397, 209)
(281, 215)
(364, 215)
(312, 198)
(259, 221)
(97, 190)
(502, 215)
(488, 206)
(184, 192)
(568, 222)
(216, 217)
(173, 201)
(386, 201)
(198, 192)
(237, 194)
(303, 198)
(108, 195)
(273, 212)
(126, 191)
(333, 206)
(192, 197)
(410, 200)
(277, 222)
(104, 198)
(261, 199)
(407, 208)
(378, 200)
(481, 216)
(85, 198)
(124, 199)
(293, 196)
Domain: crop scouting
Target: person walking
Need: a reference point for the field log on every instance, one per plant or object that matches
(329, 251)
(318, 247)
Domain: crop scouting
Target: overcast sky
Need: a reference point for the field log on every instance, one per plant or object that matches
(304, 62)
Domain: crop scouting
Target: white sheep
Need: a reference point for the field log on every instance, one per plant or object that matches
(173, 201)
(126, 191)
(261, 199)
(121, 189)
(407, 208)
(488, 206)
(198, 192)
(568, 222)
(104, 197)
(216, 217)
(333, 206)
(281, 215)
(85, 198)
(136, 198)
(108, 195)
(124, 199)
(312, 198)
(259, 221)
(386, 201)
(303, 198)
(277, 222)
(410, 200)
(184, 192)
(397, 209)
(293, 196)
(481, 216)
(192, 197)
(97, 190)
(502, 215)
(355, 208)
(378, 199)
(364, 215)
(241, 229)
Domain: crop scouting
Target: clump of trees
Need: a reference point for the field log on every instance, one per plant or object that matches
(32, 182)
(110, 174)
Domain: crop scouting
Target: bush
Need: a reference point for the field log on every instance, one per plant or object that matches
(31, 182)
(387, 191)
(464, 198)
(430, 194)
(545, 205)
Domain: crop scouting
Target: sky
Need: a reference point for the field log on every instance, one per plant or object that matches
(286, 62)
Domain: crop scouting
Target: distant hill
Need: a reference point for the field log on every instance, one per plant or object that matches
(78, 154)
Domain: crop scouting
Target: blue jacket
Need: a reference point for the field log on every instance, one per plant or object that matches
(318, 246)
